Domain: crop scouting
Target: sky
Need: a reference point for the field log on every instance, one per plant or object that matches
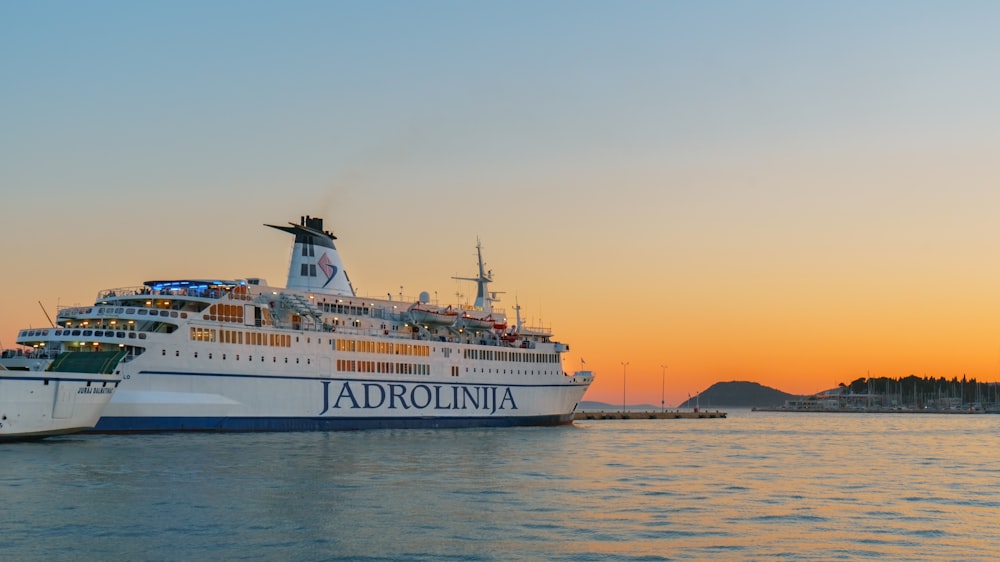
(795, 193)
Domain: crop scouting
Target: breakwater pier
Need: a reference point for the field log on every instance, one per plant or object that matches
(651, 415)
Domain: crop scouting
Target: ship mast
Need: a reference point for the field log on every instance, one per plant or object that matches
(484, 300)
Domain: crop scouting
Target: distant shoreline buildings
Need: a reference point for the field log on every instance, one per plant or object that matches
(909, 394)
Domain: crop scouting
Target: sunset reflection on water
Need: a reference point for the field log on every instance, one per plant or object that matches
(752, 486)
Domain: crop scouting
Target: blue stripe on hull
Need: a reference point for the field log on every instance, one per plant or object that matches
(47, 376)
(173, 424)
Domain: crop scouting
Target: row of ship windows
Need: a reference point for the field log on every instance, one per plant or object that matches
(352, 366)
(386, 348)
(225, 313)
(235, 336)
(344, 309)
(511, 371)
(140, 311)
(263, 359)
(361, 346)
(95, 333)
(515, 356)
(285, 340)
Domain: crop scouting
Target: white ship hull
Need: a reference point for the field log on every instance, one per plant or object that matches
(168, 401)
(212, 355)
(310, 386)
(35, 405)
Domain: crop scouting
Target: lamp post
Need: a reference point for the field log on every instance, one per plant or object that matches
(624, 366)
(663, 385)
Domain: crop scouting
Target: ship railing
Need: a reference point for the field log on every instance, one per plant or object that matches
(123, 292)
(30, 353)
(239, 292)
(538, 330)
(495, 311)
(197, 292)
(73, 311)
(365, 331)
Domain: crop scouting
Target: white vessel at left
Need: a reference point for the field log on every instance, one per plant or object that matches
(68, 397)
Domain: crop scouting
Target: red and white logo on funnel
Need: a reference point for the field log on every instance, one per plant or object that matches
(327, 268)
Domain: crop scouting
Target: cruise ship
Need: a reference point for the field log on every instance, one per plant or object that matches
(240, 355)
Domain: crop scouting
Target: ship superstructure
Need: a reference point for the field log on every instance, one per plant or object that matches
(240, 355)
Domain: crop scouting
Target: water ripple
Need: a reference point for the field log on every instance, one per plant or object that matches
(755, 486)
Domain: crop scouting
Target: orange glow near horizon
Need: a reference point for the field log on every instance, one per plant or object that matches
(797, 336)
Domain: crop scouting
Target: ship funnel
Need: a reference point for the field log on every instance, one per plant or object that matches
(315, 264)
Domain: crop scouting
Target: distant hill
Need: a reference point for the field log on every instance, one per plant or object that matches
(739, 394)
(733, 394)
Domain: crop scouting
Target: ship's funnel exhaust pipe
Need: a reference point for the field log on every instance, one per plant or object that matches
(315, 264)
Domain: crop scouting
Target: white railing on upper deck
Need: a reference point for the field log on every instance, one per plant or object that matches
(73, 311)
(238, 292)
(123, 292)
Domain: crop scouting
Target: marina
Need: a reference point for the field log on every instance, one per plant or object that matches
(888, 396)
(821, 410)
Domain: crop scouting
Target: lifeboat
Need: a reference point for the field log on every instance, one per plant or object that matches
(425, 315)
(476, 322)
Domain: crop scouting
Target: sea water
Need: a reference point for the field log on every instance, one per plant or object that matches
(753, 486)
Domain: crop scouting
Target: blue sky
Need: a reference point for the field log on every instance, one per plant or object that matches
(321, 85)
